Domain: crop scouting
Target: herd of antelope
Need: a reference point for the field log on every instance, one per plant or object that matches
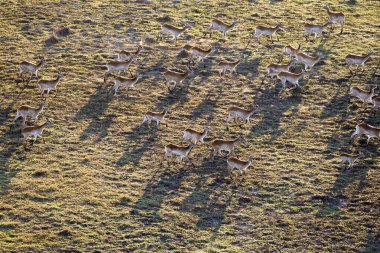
(198, 54)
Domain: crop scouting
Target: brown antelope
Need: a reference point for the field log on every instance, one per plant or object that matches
(48, 84)
(291, 51)
(225, 145)
(118, 66)
(126, 55)
(335, 17)
(32, 68)
(181, 151)
(158, 117)
(25, 111)
(200, 53)
(173, 31)
(221, 26)
(35, 131)
(350, 158)
(309, 61)
(195, 136)
(235, 163)
(358, 60)
(268, 31)
(309, 29)
(368, 130)
(225, 66)
(292, 78)
(235, 113)
(173, 77)
(365, 96)
(127, 82)
(274, 68)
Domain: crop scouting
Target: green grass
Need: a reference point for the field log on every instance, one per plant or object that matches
(97, 183)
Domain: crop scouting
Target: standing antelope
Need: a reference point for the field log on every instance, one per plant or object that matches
(365, 96)
(173, 31)
(126, 55)
(274, 68)
(118, 66)
(235, 113)
(309, 29)
(225, 66)
(226, 145)
(350, 158)
(35, 131)
(368, 130)
(221, 26)
(24, 111)
(337, 17)
(181, 151)
(28, 67)
(235, 163)
(158, 117)
(292, 78)
(196, 136)
(175, 77)
(200, 53)
(309, 61)
(127, 82)
(291, 51)
(268, 31)
(358, 60)
(49, 85)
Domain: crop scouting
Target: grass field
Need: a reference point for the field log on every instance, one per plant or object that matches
(97, 183)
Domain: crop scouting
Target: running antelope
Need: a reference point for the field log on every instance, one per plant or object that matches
(224, 28)
(292, 78)
(335, 17)
(118, 66)
(48, 85)
(350, 158)
(24, 111)
(268, 31)
(365, 96)
(181, 151)
(173, 77)
(274, 68)
(127, 82)
(28, 67)
(291, 51)
(225, 145)
(225, 66)
(200, 53)
(309, 29)
(195, 136)
(127, 55)
(235, 163)
(235, 113)
(158, 117)
(173, 31)
(35, 131)
(368, 130)
(358, 60)
(309, 61)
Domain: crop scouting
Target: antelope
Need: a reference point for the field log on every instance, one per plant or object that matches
(49, 85)
(193, 135)
(368, 130)
(221, 26)
(158, 117)
(274, 68)
(35, 131)
(350, 158)
(226, 145)
(358, 60)
(337, 17)
(291, 51)
(24, 111)
(236, 113)
(235, 163)
(309, 29)
(32, 68)
(269, 31)
(181, 151)
(126, 55)
(292, 78)
(309, 61)
(174, 31)
(200, 53)
(118, 66)
(175, 77)
(365, 96)
(225, 66)
(127, 82)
